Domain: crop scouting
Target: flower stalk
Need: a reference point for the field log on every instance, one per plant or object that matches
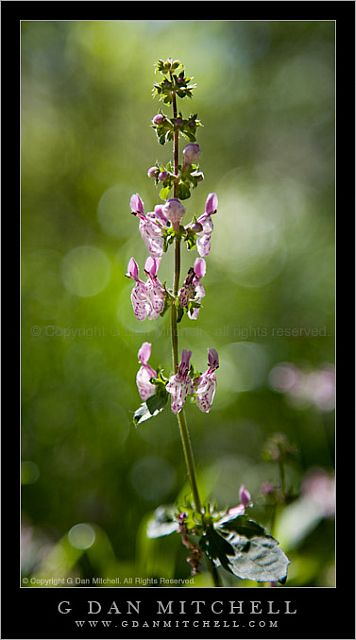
(204, 530)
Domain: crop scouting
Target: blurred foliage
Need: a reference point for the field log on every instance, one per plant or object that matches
(266, 98)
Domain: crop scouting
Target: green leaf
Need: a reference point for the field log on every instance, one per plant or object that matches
(243, 548)
(156, 403)
(180, 313)
(257, 558)
(183, 191)
(163, 522)
(164, 193)
(216, 547)
(143, 413)
(241, 525)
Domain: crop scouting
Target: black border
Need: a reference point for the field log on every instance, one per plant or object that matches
(322, 612)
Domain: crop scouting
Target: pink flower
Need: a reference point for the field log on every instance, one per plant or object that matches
(180, 385)
(245, 496)
(205, 385)
(152, 172)
(154, 287)
(139, 300)
(148, 297)
(192, 289)
(151, 225)
(245, 499)
(158, 119)
(145, 388)
(204, 237)
(174, 211)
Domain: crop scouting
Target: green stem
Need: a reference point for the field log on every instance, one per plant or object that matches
(282, 477)
(189, 459)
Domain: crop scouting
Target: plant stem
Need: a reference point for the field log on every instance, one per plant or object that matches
(282, 477)
(182, 423)
(189, 459)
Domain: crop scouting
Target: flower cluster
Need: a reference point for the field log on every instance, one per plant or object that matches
(182, 384)
(148, 298)
(160, 228)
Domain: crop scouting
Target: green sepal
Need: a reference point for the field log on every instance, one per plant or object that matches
(183, 191)
(156, 403)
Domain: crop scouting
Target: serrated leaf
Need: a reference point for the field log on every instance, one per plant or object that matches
(257, 558)
(163, 522)
(143, 413)
(253, 557)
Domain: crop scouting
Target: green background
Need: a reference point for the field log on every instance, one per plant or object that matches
(266, 98)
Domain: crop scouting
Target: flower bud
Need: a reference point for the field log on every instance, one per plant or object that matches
(211, 204)
(245, 496)
(174, 211)
(152, 172)
(191, 153)
(162, 176)
(158, 119)
(136, 204)
(200, 267)
(132, 269)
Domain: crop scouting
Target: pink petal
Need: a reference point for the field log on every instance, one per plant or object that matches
(245, 496)
(151, 266)
(213, 359)
(139, 301)
(204, 244)
(156, 296)
(211, 203)
(205, 392)
(144, 352)
(145, 388)
(136, 204)
(184, 363)
(239, 510)
(179, 389)
(158, 212)
(151, 234)
(200, 267)
(132, 269)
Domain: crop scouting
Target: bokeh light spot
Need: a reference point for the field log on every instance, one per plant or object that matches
(244, 366)
(85, 271)
(81, 536)
(29, 472)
